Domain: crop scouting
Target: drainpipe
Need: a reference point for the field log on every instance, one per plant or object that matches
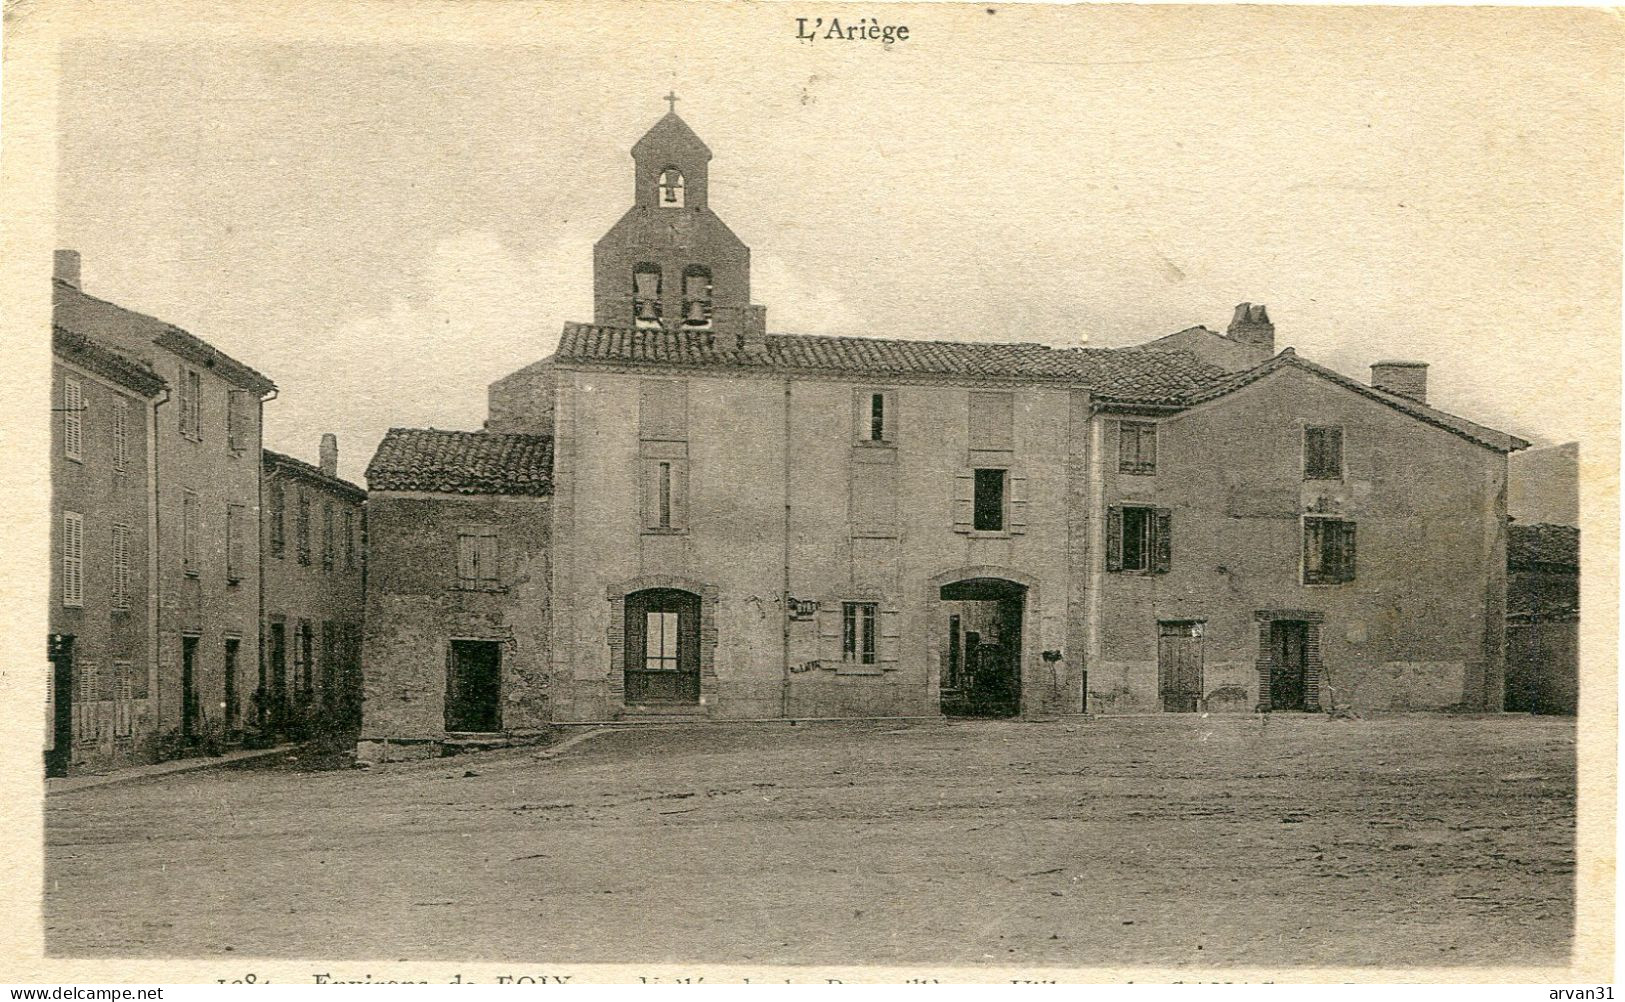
(784, 596)
(262, 670)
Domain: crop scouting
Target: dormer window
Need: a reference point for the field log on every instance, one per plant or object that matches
(646, 295)
(671, 188)
(697, 296)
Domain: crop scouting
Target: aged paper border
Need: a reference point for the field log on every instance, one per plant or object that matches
(33, 31)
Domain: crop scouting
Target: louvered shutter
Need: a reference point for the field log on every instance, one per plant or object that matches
(467, 560)
(1311, 551)
(73, 550)
(121, 434)
(73, 402)
(1347, 541)
(1114, 538)
(489, 568)
(234, 542)
(1162, 541)
(1018, 505)
(964, 501)
(679, 494)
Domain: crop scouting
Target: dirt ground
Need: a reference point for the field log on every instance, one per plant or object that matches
(1154, 840)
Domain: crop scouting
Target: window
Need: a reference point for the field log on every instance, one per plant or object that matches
(671, 188)
(189, 534)
(301, 528)
(660, 641)
(1139, 538)
(477, 559)
(858, 632)
(73, 559)
(123, 681)
(349, 540)
(239, 425)
(992, 421)
(696, 296)
(646, 295)
(875, 416)
(90, 683)
(1328, 551)
(989, 501)
(665, 499)
(121, 434)
(236, 529)
(191, 405)
(1323, 454)
(302, 656)
(327, 536)
(279, 504)
(1137, 447)
(73, 421)
(121, 567)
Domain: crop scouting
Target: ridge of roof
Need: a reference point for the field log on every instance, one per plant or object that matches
(271, 457)
(462, 462)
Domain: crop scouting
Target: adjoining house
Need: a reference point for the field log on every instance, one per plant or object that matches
(1543, 619)
(314, 546)
(203, 465)
(100, 703)
(740, 525)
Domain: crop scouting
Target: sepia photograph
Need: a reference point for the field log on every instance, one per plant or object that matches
(635, 491)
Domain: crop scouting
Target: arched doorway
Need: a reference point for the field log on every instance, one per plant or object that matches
(980, 621)
(662, 630)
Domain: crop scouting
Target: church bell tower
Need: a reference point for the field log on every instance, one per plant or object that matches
(670, 264)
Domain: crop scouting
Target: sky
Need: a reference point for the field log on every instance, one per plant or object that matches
(384, 216)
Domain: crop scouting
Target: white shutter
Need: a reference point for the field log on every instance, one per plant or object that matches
(73, 558)
(121, 434)
(73, 403)
(121, 567)
(1018, 505)
(964, 501)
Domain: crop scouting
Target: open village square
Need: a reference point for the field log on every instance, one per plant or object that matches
(773, 648)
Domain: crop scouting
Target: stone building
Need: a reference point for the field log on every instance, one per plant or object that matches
(313, 537)
(205, 458)
(100, 704)
(743, 525)
(1543, 619)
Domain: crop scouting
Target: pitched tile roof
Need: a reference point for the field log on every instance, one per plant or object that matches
(1543, 547)
(462, 462)
(103, 358)
(1131, 372)
(274, 461)
(1471, 431)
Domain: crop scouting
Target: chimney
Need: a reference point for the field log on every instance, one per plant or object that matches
(1408, 379)
(1251, 325)
(67, 267)
(330, 454)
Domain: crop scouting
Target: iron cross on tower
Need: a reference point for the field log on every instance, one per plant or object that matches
(671, 101)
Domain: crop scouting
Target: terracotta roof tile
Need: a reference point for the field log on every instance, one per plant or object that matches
(1128, 372)
(462, 462)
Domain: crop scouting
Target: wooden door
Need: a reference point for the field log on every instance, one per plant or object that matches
(60, 753)
(474, 686)
(1289, 664)
(1179, 666)
(662, 647)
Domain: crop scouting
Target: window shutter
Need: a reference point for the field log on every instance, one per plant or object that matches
(636, 636)
(73, 402)
(964, 501)
(1334, 452)
(121, 434)
(1114, 538)
(1018, 505)
(1162, 541)
(1347, 540)
(237, 418)
(992, 420)
(1311, 558)
(236, 562)
(679, 494)
(467, 560)
(73, 550)
(487, 561)
(1148, 448)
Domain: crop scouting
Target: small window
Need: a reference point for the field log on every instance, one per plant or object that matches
(189, 534)
(73, 419)
(73, 559)
(646, 295)
(671, 188)
(877, 417)
(1328, 551)
(663, 515)
(1323, 453)
(697, 297)
(121, 434)
(989, 501)
(191, 405)
(121, 567)
(1137, 447)
(660, 641)
(477, 567)
(1139, 538)
(327, 536)
(858, 632)
(238, 422)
